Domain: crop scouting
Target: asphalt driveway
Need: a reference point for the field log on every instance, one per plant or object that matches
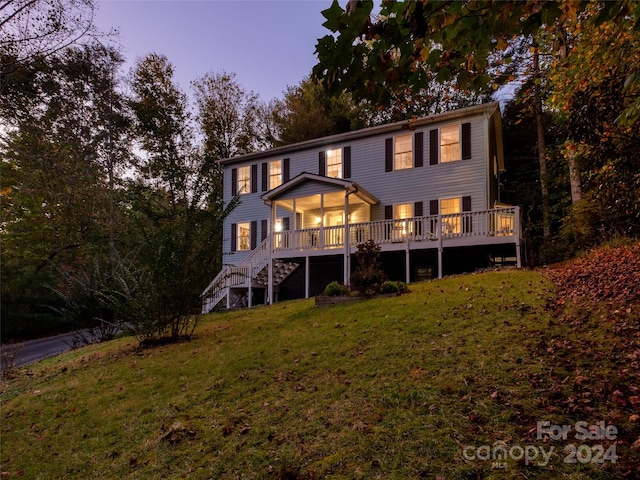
(24, 353)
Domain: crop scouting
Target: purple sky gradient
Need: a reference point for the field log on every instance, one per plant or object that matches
(268, 44)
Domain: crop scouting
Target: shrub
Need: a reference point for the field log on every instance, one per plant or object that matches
(394, 287)
(390, 287)
(368, 277)
(335, 289)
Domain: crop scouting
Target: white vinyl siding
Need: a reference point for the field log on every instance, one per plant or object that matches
(446, 180)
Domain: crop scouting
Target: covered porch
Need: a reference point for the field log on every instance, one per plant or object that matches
(312, 216)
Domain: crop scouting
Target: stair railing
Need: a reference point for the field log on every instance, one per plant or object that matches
(235, 276)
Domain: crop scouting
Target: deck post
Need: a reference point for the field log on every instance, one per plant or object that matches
(307, 275)
(439, 244)
(407, 263)
(270, 224)
(517, 234)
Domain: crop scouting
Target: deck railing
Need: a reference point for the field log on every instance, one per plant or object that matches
(234, 276)
(485, 223)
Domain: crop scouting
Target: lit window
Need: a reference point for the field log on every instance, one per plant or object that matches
(450, 149)
(244, 180)
(277, 233)
(400, 212)
(275, 174)
(403, 210)
(403, 152)
(243, 236)
(334, 163)
(449, 208)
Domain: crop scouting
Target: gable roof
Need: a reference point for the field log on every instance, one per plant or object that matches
(488, 109)
(349, 187)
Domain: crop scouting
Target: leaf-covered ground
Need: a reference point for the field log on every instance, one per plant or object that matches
(609, 275)
(432, 384)
(590, 374)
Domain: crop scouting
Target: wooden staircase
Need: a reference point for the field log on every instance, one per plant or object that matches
(234, 282)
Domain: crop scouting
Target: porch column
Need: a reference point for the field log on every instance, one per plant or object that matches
(346, 238)
(517, 233)
(295, 226)
(321, 226)
(439, 244)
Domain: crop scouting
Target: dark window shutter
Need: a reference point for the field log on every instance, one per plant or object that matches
(234, 182)
(418, 209)
(434, 147)
(254, 178)
(433, 207)
(418, 154)
(466, 204)
(346, 163)
(253, 233)
(285, 170)
(234, 237)
(466, 207)
(265, 177)
(466, 141)
(388, 155)
(263, 230)
(322, 164)
(388, 215)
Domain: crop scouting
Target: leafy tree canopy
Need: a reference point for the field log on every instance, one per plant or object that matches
(410, 44)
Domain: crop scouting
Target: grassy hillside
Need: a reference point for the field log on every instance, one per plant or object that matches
(420, 386)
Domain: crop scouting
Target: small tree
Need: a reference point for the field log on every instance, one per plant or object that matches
(368, 277)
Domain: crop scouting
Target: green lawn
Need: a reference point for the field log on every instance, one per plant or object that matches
(418, 386)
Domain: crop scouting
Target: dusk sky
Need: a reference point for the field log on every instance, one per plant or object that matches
(268, 44)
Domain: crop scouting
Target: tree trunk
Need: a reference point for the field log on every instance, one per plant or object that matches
(574, 173)
(542, 160)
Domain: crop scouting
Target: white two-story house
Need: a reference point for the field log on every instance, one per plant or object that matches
(426, 190)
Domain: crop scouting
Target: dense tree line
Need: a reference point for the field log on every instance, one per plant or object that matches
(111, 195)
(111, 191)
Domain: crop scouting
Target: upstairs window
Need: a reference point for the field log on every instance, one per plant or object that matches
(450, 143)
(334, 163)
(244, 180)
(450, 148)
(402, 152)
(275, 174)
